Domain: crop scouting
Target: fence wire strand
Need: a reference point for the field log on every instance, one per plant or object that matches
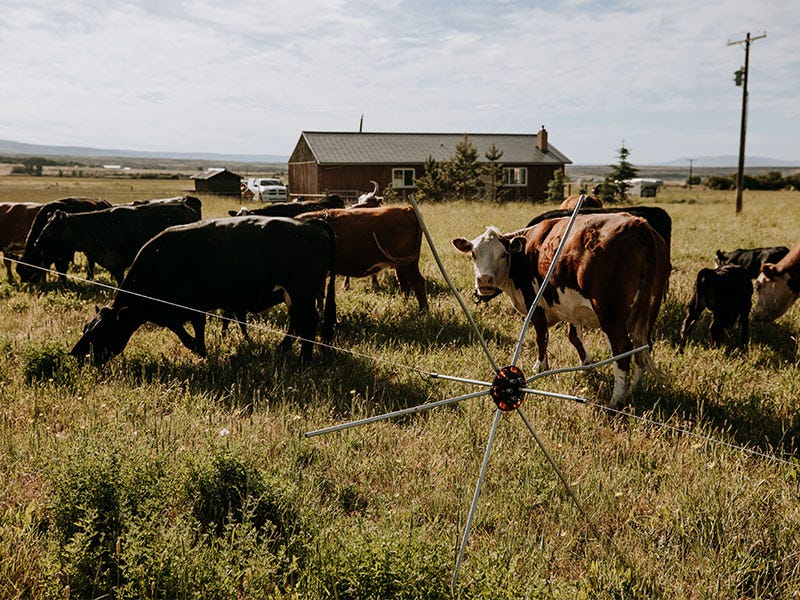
(422, 372)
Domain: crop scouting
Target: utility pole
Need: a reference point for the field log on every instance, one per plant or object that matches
(689, 181)
(740, 78)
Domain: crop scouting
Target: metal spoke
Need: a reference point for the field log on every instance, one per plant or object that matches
(398, 413)
(545, 281)
(451, 285)
(467, 527)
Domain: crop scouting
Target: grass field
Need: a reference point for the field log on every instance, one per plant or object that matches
(163, 475)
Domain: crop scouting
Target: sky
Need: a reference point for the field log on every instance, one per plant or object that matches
(249, 76)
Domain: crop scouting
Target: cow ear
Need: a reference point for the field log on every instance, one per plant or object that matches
(719, 254)
(463, 245)
(769, 271)
(517, 245)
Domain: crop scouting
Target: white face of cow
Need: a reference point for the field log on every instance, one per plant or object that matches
(490, 257)
(773, 297)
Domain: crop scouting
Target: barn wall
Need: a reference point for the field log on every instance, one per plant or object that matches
(538, 178)
(302, 178)
(349, 181)
(226, 184)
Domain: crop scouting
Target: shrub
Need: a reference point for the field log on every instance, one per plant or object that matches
(227, 490)
(396, 564)
(97, 490)
(46, 362)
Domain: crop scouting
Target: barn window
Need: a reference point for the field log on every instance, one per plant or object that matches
(403, 178)
(515, 176)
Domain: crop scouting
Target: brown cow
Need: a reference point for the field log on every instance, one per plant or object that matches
(16, 219)
(611, 274)
(570, 202)
(372, 239)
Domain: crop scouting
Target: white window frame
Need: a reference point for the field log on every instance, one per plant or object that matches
(399, 177)
(515, 176)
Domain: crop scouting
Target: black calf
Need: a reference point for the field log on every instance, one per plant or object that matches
(727, 292)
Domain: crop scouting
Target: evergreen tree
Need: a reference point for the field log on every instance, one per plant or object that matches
(463, 172)
(432, 186)
(555, 187)
(614, 186)
(493, 172)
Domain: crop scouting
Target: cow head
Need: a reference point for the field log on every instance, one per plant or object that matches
(491, 256)
(721, 258)
(52, 239)
(370, 199)
(774, 296)
(104, 336)
(242, 212)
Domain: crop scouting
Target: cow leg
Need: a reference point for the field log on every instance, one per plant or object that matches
(717, 330)
(199, 325)
(620, 343)
(692, 314)
(242, 318)
(574, 334)
(89, 269)
(303, 319)
(346, 285)
(376, 284)
(416, 282)
(197, 343)
(744, 322)
(542, 333)
(61, 268)
(8, 269)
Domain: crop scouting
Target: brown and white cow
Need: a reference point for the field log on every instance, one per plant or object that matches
(369, 199)
(611, 274)
(371, 239)
(777, 287)
(570, 202)
(16, 219)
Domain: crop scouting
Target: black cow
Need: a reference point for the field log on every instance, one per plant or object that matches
(191, 201)
(751, 259)
(727, 292)
(111, 237)
(33, 258)
(250, 259)
(291, 209)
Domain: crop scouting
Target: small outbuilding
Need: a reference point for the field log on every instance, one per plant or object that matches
(217, 180)
(345, 162)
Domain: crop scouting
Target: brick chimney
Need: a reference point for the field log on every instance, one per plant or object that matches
(541, 139)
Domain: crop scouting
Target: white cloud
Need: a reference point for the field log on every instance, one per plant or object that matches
(248, 77)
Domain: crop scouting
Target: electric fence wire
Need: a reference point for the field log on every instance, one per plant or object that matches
(433, 375)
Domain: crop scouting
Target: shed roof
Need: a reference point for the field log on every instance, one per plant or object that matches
(211, 172)
(414, 148)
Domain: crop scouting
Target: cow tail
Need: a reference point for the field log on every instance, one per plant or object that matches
(403, 261)
(329, 314)
(651, 292)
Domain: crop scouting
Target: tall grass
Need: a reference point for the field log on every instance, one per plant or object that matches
(163, 475)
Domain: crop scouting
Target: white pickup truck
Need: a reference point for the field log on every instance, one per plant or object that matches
(267, 189)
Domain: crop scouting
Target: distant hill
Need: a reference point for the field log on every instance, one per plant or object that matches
(19, 148)
(730, 160)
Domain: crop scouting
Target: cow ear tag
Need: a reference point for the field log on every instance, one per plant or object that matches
(506, 390)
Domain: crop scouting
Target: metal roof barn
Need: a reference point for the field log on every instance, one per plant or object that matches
(345, 162)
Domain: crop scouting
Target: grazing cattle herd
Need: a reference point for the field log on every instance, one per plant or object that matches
(613, 273)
